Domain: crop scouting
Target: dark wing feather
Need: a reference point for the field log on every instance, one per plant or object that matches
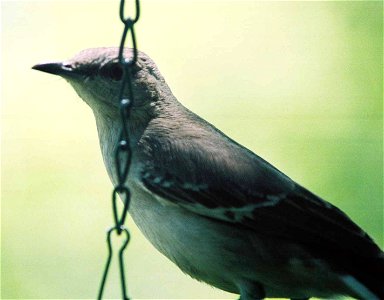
(204, 171)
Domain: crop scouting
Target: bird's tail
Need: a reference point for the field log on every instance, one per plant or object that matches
(367, 282)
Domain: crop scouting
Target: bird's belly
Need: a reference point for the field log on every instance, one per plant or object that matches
(223, 255)
(191, 241)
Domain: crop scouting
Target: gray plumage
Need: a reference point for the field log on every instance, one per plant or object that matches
(221, 213)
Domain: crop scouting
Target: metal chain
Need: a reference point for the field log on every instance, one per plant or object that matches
(123, 152)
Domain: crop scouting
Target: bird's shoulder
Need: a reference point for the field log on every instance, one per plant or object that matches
(196, 153)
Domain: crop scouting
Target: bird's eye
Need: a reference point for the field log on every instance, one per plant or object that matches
(112, 71)
(116, 72)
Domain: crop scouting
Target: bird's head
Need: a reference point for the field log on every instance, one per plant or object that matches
(97, 76)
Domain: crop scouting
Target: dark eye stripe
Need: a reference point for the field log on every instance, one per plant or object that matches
(112, 71)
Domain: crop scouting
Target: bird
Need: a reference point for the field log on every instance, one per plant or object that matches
(220, 212)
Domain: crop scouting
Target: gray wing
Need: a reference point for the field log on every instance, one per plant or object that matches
(211, 175)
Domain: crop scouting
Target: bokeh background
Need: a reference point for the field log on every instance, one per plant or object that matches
(300, 83)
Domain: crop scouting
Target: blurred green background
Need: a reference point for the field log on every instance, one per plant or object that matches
(300, 83)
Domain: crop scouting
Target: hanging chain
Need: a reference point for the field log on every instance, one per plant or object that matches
(123, 152)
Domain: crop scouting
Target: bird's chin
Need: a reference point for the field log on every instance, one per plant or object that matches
(97, 102)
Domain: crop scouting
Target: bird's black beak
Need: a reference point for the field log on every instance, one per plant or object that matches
(54, 68)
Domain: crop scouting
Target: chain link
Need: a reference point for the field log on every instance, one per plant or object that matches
(123, 152)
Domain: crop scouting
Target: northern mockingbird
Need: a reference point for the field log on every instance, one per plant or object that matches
(218, 211)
